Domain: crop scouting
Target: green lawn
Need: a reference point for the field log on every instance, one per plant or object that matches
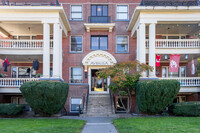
(158, 125)
(41, 126)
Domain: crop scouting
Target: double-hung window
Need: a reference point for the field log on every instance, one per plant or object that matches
(122, 44)
(99, 42)
(76, 75)
(122, 12)
(76, 43)
(76, 12)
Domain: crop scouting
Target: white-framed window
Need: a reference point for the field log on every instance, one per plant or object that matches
(18, 100)
(122, 44)
(180, 73)
(180, 99)
(76, 75)
(76, 104)
(76, 12)
(76, 44)
(23, 72)
(122, 12)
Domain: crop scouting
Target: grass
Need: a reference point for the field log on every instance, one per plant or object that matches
(158, 125)
(41, 126)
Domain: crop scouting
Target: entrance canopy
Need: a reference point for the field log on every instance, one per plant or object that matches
(98, 58)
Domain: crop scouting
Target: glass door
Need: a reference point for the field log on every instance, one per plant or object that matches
(98, 84)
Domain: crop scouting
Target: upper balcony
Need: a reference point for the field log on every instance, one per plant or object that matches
(99, 19)
(169, 3)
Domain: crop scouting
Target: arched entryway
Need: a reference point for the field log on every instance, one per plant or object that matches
(94, 61)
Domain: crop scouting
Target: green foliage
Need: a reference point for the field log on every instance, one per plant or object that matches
(11, 109)
(186, 109)
(155, 95)
(45, 97)
(124, 76)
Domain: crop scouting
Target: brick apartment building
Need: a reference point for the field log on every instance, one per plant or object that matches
(73, 39)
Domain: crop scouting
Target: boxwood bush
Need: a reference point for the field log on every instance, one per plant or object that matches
(154, 96)
(186, 109)
(45, 97)
(11, 109)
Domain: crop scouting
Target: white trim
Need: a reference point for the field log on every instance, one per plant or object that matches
(116, 43)
(71, 44)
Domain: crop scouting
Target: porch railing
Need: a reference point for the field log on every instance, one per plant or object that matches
(186, 81)
(23, 44)
(175, 43)
(15, 82)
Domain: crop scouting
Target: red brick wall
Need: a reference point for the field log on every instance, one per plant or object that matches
(193, 97)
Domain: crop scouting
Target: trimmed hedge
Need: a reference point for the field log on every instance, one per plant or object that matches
(186, 109)
(154, 96)
(45, 97)
(11, 109)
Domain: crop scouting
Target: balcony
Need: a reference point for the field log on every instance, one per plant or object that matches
(23, 44)
(15, 82)
(99, 19)
(186, 81)
(169, 3)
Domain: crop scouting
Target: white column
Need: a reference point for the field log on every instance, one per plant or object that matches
(152, 39)
(142, 47)
(56, 50)
(138, 42)
(46, 50)
(61, 55)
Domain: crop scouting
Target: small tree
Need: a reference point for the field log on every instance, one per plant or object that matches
(124, 77)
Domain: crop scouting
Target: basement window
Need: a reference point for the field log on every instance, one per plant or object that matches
(76, 103)
(119, 104)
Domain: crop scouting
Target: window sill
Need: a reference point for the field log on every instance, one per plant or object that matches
(76, 52)
(122, 53)
(98, 49)
(121, 20)
(76, 20)
(78, 83)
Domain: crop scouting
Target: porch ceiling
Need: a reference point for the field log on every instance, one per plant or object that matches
(23, 28)
(187, 29)
(22, 58)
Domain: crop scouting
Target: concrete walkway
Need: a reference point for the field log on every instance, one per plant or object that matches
(96, 124)
(99, 125)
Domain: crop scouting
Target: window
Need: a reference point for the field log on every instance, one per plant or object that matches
(179, 99)
(99, 42)
(122, 12)
(76, 75)
(122, 43)
(76, 43)
(75, 104)
(99, 10)
(119, 104)
(180, 73)
(23, 72)
(76, 12)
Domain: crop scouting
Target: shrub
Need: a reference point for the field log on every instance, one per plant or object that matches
(154, 96)
(45, 97)
(186, 109)
(11, 109)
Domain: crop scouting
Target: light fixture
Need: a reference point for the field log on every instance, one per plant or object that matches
(186, 56)
(166, 57)
(99, 9)
(85, 71)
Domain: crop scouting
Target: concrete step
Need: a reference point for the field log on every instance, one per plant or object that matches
(99, 105)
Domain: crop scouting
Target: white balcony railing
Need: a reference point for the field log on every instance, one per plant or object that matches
(15, 82)
(23, 44)
(186, 81)
(175, 43)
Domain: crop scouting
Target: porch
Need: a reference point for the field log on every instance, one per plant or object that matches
(33, 32)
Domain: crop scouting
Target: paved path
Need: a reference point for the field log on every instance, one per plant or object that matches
(99, 125)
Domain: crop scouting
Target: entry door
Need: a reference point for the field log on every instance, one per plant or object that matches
(98, 85)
